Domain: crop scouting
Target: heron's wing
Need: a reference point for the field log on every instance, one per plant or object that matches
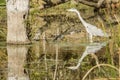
(95, 31)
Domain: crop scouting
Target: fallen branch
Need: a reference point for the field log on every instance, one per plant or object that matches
(108, 65)
(92, 4)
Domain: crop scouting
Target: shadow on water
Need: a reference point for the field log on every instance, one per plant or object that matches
(57, 61)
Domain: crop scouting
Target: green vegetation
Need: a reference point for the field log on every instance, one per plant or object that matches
(3, 27)
(2, 2)
(3, 24)
(56, 20)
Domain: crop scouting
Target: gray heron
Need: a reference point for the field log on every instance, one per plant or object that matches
(91, 29)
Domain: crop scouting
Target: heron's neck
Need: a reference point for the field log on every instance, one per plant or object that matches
(80, 17)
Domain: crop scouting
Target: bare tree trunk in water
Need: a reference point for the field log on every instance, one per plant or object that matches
(17, 12)
(16, 62)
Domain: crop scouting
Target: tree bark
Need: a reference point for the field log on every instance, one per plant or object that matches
(17, 12)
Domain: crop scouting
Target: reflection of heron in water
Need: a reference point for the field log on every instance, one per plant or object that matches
(91, 48)
(91, 29)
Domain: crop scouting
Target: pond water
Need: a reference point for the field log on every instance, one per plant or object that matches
(59, 61)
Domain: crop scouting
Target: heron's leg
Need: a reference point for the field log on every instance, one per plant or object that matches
(90, 38)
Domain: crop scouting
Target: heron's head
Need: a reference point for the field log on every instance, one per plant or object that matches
(72, 10)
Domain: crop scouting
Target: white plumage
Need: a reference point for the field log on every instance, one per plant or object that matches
(95, 31)
(91, 29)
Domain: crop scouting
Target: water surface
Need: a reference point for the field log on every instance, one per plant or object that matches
(58, 61)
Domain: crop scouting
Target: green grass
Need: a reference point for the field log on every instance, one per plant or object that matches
(59, 9)
(2, 2)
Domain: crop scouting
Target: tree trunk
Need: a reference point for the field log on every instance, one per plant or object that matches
(17, 12)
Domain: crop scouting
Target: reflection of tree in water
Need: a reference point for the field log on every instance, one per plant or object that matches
(39, 61)
(16, 62)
